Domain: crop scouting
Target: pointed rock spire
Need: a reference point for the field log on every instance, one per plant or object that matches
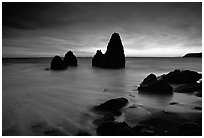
(114, 56)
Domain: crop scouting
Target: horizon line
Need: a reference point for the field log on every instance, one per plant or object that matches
(92, 57)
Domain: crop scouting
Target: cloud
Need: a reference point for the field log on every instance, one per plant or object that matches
(53, 28)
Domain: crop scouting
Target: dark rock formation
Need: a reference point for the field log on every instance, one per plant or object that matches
(114, 56)
(70, 59)
(113, 105)
(98, 59)
(114, 128)
(149, 79)
(57, 63)
(182, 77)
(193, 55)
(190, 129)
(189, 88)
(151, 85)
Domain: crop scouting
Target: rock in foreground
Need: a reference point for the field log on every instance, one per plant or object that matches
(113, 105)
(151, 85)
(189, 88)
(182, 77)
(114, 56)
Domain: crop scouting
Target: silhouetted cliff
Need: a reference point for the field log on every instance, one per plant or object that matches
(114, 56)
(193, 55)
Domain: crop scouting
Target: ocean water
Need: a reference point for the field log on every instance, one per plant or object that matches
(35, 100)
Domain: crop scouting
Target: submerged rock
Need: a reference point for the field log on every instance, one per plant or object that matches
(57, 63)
(113, 105)
(114, 56)
(70, 59)
(151, 85)
(182, 76)
(113, 128)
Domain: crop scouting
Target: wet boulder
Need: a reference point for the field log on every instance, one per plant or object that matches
(57, 63)
(189, 88)
(149, 79)
(114, 56)
(151, 85)
(113, 128)
(182, 77)
(112, 105)
(70, 59)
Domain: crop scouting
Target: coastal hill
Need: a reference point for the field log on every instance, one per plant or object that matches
(193, 55)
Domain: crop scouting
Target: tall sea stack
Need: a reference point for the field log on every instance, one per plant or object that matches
(114, 56)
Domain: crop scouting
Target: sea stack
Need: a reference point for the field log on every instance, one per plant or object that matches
(57, 63)
(114, 56)
(70, 59)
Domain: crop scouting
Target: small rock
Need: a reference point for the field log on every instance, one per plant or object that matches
(113, 105)
(173, 103)
(156, 87)
(197, 108)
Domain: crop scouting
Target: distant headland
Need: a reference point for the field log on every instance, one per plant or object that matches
(194, 55)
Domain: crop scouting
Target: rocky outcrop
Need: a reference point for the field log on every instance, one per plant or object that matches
(152, 85)
(189, 88)
(112, 105)
(57, 63)
(70, 59)
(199, 55)
(182, 77)
(98, 59)
(114, 56)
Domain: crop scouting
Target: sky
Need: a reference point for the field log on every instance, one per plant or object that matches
(146, 29)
